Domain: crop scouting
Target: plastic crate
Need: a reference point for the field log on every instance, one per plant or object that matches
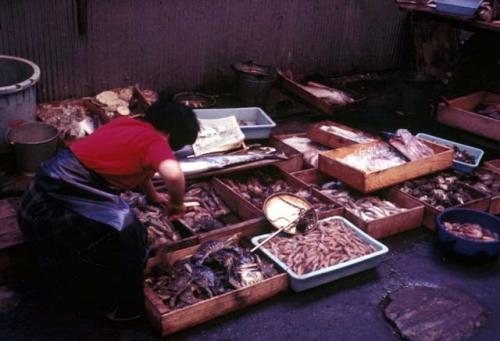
(458, 165)
(260, 130)
(334, 272)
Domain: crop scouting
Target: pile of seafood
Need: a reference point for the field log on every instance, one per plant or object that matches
(258, 187)
(347, 134)
(410, 146)
(210, 211)
(304, 145)
(123, 101)
(482, 180)
(69, 117)
(490, 109)
(217, 267)
(471, 231)
(378, 157)
(159, 230)
(441, 191)
(367, 208)
(329, 244)
(463, 156)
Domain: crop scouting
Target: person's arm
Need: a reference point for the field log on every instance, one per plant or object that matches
(173, 177)
(152, 194)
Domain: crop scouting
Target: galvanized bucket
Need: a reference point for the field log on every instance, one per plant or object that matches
(18, 77)
(33, 143)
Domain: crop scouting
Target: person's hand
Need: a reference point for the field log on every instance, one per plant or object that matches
(175, 211)
(160, 198)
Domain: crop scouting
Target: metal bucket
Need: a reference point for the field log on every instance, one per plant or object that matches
(33, 143)
(254, 83)
(17, 93)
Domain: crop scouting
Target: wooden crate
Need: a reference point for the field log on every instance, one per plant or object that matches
(293, 86)
(379, 228)
(459, 114)
(277, 140)
(280, 174)
(480, 202)
(494, 199)
(369, 182)
(168, 322)
(493, 165)
(330, 139)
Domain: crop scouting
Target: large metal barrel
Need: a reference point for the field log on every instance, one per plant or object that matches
(33, 143)
(17, 93)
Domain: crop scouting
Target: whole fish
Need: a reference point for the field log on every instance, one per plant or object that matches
(331, 95)
(196, 165)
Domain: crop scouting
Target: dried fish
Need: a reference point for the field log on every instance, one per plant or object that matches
(196, 165)
(307, 147)
(347, 134)
(211, 211)
(374, 158)
(329, 244)
(330, 95)
(410, 146)
(256, 188)
(441, 191)
(216, 268)
(471, 231)
(158, 228)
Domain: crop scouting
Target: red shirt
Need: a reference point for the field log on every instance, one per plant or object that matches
(125, 151)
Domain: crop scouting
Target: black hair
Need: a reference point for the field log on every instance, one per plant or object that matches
(175, 119)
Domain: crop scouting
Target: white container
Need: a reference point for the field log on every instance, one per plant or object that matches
(334, 272)
(458, 165)
(262, 123)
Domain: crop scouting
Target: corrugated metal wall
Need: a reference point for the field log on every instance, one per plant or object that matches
(190, 44)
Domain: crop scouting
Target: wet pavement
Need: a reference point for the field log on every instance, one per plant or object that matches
(346, 309)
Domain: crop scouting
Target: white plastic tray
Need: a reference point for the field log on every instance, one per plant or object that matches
(458, 165)
(334, 272)
(262, 128)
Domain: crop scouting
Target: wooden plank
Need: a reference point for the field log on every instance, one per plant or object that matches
(459, 114)
(330, 139)
(235, 202)
(369, 182)
(167, 322)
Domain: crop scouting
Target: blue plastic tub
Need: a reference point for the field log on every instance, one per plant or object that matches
(466, 8)
(334, 272)
(467, 247)
(260, 123)
(458, 165)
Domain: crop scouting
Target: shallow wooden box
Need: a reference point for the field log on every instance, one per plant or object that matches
(293, 86)
(495, 199)
(280, 174)
(493, 165)
(168, 322)
(480, 202)
(369, 182)
(277, 140)
(382, 227)
(459, 113)
(330, 139)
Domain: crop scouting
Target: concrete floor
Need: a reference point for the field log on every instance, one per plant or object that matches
(347, 309)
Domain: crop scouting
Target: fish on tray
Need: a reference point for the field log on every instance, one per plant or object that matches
(330, 95)
(196, 165)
